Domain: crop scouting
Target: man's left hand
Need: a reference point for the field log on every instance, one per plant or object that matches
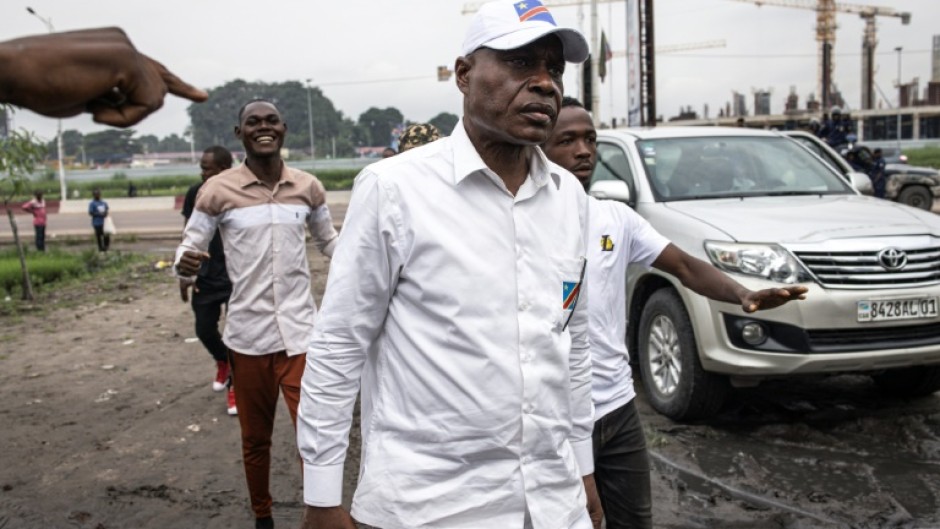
(595, 511)
(771, 298)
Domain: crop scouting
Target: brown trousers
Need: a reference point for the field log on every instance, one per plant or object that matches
(257, 380)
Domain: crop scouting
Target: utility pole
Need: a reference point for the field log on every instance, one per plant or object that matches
(900, 87)
(649, 45)
(313, 152)
(62, 189)
(595, 66)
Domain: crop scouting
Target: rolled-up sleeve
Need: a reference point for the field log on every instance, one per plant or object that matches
(582, 406)
(363, 274)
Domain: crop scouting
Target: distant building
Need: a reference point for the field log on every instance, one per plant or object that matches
(792, 105)
(761, 102)
(739, 104)
(933, 93)
(812, 105)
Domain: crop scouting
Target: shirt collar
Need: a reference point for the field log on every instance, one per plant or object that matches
(246, 177)
(467, 161)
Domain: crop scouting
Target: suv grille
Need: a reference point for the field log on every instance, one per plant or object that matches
(865, 269)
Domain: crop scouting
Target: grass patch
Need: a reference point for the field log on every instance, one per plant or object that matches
(48, 269)
(924, 157)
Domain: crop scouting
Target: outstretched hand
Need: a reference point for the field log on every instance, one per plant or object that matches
(771, 298)
(95, 70)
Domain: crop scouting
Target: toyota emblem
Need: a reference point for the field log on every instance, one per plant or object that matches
(892, 259)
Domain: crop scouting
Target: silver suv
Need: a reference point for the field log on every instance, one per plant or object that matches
(767, 211)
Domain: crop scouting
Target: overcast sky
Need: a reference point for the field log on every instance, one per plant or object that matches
(364, 53)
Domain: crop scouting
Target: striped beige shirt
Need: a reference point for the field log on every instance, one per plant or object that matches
(271, 308)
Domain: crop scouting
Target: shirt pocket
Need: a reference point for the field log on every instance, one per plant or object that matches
(570, 276)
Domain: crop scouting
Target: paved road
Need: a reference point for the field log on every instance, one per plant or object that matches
(142, 223)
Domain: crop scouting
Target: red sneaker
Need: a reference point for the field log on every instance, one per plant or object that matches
(221, 375)
(232, 410)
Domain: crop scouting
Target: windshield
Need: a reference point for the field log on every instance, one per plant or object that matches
(729, 166)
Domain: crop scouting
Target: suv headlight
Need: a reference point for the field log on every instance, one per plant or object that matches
(769, 261)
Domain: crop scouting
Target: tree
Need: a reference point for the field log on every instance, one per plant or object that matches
(149, 143)
(111, 145)
(379, 124)
(445, 122)
(20, 151)
(214, 120)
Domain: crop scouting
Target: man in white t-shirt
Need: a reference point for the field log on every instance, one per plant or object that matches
(617, 237)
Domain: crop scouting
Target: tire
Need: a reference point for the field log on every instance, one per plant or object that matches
(917, 381)
(673, 378)
(916, 196)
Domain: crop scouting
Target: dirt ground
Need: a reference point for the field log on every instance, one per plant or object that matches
(109, 421)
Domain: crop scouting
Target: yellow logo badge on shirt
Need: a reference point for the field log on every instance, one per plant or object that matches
(607, 245)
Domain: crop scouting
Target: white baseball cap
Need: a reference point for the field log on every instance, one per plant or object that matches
(511, 24)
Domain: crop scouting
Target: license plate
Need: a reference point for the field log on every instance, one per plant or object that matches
(897, 309)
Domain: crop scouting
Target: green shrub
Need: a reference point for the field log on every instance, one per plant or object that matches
(925, 157)
(44, 268)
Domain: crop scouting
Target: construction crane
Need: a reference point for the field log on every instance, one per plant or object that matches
(826, 36)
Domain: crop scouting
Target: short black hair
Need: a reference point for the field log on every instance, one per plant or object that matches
(221, 156)
(569, 101)
(241, 111)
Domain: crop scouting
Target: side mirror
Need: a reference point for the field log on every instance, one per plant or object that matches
(862, 183)
(610, 190)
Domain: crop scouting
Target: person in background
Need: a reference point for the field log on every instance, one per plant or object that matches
(261, 209)
(879, 180)
(417, 135)
(452, 303)
(618, 237)
(212, 288)
(98, 71)
(37, 206)
(98, 209)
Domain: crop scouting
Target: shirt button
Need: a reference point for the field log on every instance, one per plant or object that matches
(528, 408)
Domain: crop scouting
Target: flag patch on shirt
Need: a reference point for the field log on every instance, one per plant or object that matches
(533, 10)
(569, 291)
(607, 245)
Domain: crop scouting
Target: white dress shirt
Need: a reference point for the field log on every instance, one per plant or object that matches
(617, 237)
(446, 294)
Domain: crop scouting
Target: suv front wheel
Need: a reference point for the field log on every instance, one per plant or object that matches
(675, 382)
(917, 197)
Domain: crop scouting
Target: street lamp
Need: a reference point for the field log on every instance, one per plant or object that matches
(313, 152)
(900, 87)
(62, 189)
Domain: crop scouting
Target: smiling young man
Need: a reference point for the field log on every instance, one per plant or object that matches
(452, 304)
(260, 208)
(617, 237)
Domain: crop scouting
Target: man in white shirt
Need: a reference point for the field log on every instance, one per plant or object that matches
(453, 294)
(617, 237)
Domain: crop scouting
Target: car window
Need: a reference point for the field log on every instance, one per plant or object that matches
(612, 164)
(713, 167)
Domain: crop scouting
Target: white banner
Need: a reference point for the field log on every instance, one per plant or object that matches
(634, 108)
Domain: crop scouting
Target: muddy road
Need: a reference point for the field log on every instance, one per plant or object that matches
(107, 420)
